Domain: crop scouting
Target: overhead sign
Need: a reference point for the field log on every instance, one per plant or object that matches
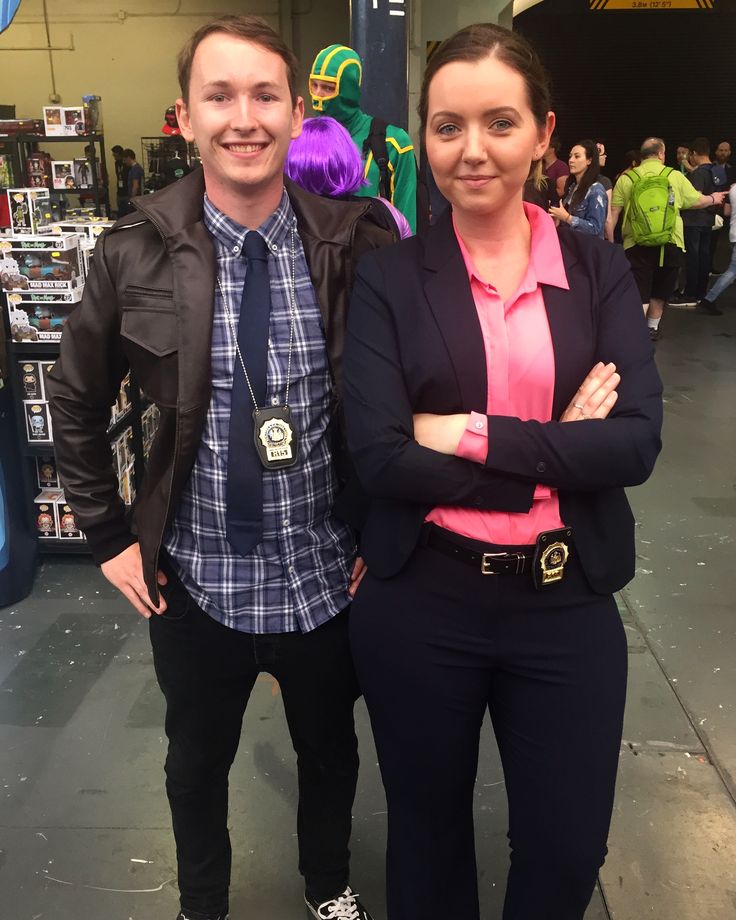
(652, 4)
(8, 9)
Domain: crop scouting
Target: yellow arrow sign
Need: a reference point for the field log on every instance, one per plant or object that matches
(598, 5)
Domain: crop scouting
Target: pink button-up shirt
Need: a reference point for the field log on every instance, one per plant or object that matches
(521, 379)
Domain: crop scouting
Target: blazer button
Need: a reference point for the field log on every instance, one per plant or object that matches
(541, 467)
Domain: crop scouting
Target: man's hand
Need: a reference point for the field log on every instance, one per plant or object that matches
(125, 571)
(442, 433)
(358, 573)
(596, 396)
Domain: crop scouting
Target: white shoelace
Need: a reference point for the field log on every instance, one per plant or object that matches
(342, 908)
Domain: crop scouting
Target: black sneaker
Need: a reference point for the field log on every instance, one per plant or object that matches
(708, 307)
(653, 334)
(345, 906)
(681, 300)
(185, 915)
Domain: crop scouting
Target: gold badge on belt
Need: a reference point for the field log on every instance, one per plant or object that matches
(553, 561)
(550, 557)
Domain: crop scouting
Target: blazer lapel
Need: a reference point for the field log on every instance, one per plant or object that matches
(448, 292)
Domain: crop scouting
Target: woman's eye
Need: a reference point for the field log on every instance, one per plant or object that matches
(447, 130)
(502, 124)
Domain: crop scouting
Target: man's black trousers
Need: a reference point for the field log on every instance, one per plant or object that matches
(206, 672)
(435, 647)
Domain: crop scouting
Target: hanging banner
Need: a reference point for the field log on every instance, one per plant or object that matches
(598, 5)
(8, 9)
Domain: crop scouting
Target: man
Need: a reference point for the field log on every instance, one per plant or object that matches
(555, 170)
(334, 84)
(655, 268)
(683, 163)
(698, 227)
(720, 248)
(135, 174)
(226, 294)
(722, 157)
(121, 180)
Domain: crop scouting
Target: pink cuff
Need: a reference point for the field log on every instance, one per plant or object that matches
(474, 442)
(542, 492)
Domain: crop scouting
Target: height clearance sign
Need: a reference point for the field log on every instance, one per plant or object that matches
(651, 4)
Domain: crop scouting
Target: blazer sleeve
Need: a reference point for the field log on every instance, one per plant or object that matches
(388, 461)
(601, 453)
(82, 386)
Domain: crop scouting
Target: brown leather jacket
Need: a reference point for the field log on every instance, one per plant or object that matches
(148, 306)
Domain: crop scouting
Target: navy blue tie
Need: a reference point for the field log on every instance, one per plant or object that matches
(244, 492)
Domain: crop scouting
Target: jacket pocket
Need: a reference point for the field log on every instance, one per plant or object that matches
(150, 335)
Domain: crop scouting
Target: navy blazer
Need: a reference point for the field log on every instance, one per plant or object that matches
(414, 344)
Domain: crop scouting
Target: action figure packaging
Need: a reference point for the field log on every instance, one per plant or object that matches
(90, 229)
(53, 121)
(31, 380)
(38, 422)
(67, 520)
(44, 263)
(39, 317)
(62, 174)
(47, 514)
(30, 209)
(47, 475)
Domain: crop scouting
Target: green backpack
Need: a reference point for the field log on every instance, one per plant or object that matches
(651, 212)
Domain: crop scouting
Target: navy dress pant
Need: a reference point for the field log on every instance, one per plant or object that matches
(434, 648)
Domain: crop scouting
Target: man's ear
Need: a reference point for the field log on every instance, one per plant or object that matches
(182, 116)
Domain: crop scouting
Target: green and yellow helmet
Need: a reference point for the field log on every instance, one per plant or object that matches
(341, 67)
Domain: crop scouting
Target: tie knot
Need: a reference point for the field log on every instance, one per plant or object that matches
(255, 246)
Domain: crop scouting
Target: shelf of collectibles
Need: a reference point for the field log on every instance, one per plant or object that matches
(42, 277)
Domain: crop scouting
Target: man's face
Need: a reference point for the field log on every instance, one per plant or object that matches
(723, 152)
(240, 114)
(323, 88)
(682, 153)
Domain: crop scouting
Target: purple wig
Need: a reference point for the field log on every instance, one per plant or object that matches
(324, 160)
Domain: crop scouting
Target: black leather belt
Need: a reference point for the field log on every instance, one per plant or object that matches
(516, 563)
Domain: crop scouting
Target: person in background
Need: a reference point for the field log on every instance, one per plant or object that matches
(722, 161)
(584, 204)
(632, 158)
(121, 180)
(708, 304)
(607, 185)
(493, 453)
(325, 161)
(656, 268)
(334, 84)
(682, 157)
(555, 171)
(135, 174)
(698, 227)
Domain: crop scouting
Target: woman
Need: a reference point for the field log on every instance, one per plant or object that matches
(496, 460)
(325, 161)
(585, 204)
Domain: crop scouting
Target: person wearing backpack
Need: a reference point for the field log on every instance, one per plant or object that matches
(651, 197)
(389, 164)
(707, 178)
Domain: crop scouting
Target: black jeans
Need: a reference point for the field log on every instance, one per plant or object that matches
(697, 261)
(434, 647)
(206, 672)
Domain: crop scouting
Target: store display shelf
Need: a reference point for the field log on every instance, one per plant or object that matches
(63, 546)
(34, 348)
(60, 139)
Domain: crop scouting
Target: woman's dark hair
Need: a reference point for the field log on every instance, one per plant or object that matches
(588, 178)
(479, 41)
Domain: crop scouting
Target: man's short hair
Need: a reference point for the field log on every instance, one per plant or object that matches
(118, 149)
(129, 153)
(652, 147)
(250, 29)
(701, 147)
(555, 143)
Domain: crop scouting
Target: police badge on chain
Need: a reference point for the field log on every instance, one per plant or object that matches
(275, 437)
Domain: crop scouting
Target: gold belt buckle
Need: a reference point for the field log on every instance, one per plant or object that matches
(552, 562)
(485, 563)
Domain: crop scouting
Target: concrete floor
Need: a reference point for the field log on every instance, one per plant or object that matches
(84, 825)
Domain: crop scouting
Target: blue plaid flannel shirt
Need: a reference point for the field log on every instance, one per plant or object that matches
(297, 577)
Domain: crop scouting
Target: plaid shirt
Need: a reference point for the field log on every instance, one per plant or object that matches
(297, 576)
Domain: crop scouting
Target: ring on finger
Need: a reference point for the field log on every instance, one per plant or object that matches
(578, 406)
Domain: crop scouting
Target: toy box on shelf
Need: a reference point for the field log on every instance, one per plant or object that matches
(40, 263)
(30, 210)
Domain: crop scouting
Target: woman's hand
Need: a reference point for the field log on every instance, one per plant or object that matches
(560, 214)
(442, 433)
(596, 396)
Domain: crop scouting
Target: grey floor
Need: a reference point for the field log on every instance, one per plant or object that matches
(84, 829)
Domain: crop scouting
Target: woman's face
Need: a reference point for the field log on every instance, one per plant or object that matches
(481, 135)
(578, 161)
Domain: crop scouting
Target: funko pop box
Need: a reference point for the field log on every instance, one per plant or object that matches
(38, 317)
(30, 209)
(40, 263)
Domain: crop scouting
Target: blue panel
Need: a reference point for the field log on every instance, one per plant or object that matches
(8, 9)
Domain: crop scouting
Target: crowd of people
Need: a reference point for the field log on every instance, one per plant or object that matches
(383, 452)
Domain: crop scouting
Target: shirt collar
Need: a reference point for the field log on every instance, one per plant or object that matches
(230, 233)
(546, 265)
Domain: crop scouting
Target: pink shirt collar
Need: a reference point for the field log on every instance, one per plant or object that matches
(546, 265)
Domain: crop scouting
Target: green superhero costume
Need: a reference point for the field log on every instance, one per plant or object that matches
(341, 66)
